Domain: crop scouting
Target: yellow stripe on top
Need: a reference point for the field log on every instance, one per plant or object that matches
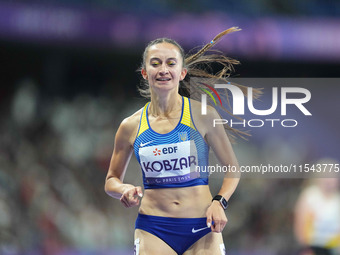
(143, 122)
(333, 243)
(186, 118)
(309, 227)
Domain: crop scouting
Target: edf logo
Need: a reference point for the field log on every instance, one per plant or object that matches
(169, 150)
(165, 150)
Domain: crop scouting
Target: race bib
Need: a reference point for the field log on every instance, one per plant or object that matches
(169, 163)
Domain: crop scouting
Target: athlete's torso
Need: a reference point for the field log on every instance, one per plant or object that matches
(168, 161)
(171, 160)
(324, 222)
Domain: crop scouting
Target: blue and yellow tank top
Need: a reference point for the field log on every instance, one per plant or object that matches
(174, 159)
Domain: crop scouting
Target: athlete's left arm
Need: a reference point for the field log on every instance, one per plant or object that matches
(220, 143)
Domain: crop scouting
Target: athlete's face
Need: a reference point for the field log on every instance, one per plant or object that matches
(163, 67)
(329, 185)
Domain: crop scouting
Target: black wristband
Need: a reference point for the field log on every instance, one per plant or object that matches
(222, 200)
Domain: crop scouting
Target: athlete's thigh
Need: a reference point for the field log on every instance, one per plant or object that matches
(149, 244)
(210, 244)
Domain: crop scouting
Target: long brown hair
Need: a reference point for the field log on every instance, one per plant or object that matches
(200, 73)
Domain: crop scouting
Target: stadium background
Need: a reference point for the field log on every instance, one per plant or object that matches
(68, 77)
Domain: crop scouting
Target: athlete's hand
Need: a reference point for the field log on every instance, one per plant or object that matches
(131, 196)
(215, 213)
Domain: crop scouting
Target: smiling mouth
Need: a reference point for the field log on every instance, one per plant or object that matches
(163, 79)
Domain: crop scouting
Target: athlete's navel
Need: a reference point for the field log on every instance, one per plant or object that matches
(176, 202)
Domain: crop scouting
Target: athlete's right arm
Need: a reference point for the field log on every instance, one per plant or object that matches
(123, 148)
(302, 218)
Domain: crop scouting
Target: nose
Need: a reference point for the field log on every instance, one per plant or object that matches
(163, 70)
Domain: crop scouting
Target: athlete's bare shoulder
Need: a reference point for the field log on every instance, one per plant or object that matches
(196, 109)
(129, 126)
(203, 122)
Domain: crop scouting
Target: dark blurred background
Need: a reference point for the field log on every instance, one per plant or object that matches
(68, 78)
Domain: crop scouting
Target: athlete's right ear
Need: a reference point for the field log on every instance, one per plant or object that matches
(144, 74)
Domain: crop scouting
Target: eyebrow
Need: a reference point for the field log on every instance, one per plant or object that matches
(158, 59)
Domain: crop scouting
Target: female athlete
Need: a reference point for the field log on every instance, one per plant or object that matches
(171, 140)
